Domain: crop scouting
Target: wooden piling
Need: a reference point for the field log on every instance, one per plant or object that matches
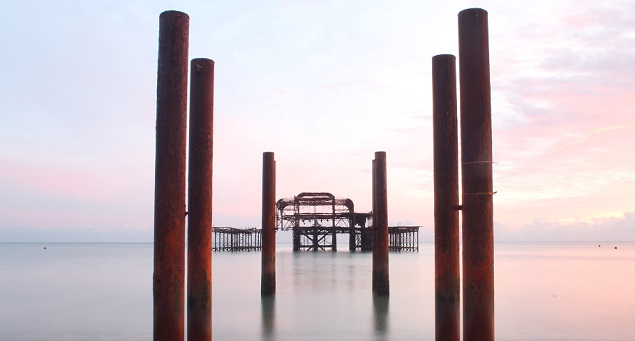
(199, 237)
(476, 167)
(380, 211)
(446, 199)
(374, 230)
(268, 278)
(169, 188)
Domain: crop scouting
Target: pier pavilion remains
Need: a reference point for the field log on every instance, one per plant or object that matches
(316, 218)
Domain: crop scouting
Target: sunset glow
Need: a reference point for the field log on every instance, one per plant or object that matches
(323, 84)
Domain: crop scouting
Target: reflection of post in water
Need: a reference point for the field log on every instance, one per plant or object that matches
(380, 309)
(268, 317)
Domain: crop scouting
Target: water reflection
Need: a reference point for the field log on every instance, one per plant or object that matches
(380, 316)
(268, 318)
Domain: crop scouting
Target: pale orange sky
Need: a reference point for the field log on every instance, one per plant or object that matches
(323, 84)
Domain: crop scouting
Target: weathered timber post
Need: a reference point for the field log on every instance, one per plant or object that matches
(169, 187)
(268, 279)
(199, 237)
(476, 168)
(373, 232)
(446, 200)
(380, 261)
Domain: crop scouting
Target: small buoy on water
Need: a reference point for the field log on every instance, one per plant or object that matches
(616, 248)
(599, 245)
(45, 248)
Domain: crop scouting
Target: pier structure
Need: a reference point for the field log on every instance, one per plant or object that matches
(316, 218)
(403, 238)
(237, 239)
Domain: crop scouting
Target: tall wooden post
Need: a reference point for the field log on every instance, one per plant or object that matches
(199, 237)
(373, 232)
(268, 279)
(169, 186)
(476, 167)
(446, 200)
(380, 261)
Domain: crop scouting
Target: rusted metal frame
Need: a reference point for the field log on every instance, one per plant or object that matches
(170, 168)
(477, 185)
(199, 246)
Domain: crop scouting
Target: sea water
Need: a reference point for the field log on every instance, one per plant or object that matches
(103, 291)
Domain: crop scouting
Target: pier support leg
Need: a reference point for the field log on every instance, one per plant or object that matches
(446, 200)
(169, 187)
(296, 239)
(199, 236)
(380, 261)
(476, 167)
(268, 279)
(351, 237)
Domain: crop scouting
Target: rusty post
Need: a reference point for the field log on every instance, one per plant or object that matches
(380, 261)
(476, 168)
(268, 279)
(446, 199)
(199, 237)
(373, 232)
(169, 186)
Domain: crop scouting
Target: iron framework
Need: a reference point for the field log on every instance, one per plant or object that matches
(317, 217)
(235, 239)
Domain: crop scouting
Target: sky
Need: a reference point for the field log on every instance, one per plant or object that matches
(323, 84)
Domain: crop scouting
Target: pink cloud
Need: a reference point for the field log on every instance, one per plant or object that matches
(562, 137)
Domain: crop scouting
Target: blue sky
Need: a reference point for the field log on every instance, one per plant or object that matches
(323, 84)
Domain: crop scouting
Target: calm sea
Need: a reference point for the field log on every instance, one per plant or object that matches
(103, 291)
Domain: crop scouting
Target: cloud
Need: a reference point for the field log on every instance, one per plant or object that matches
(596, 229)
(323, 84)
(563, 113)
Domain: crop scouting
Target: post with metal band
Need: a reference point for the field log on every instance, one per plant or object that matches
(380, 261)
(199, 237)
(446, 200)
(476, 167)
(268, 279)
(169, 187)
